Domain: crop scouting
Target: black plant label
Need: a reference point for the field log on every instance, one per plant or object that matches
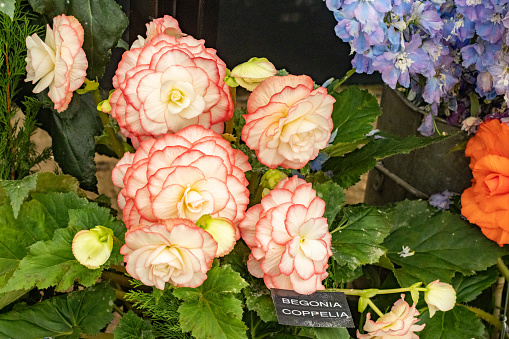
(320, 309)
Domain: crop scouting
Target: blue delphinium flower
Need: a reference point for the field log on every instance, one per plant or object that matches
(441, 200)
(492, 29)
(397, 67)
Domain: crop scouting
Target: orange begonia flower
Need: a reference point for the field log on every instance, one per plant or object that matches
(486, 203)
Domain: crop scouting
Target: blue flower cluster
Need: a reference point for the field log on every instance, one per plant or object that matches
(450, 54)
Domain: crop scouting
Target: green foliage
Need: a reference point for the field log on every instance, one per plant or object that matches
(458, 323)
(258, 299)
(7, 7)
(325, 333)
(52, 263)
(357, 239)
(133, 327)
(17, 191)
(37, 247)
(334, 197)
(86, 311)
(443, 243)
(18, 154)
(349, 168)
(103, 22)
(469, 288)
(162, 310)
(354, 113)
(73, 135)
(213, 310)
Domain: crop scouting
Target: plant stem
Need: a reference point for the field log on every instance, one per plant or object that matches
(373, 306)
(115, 143)
(484, 316)
(504, 270)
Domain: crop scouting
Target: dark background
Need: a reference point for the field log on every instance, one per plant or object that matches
(297, 35)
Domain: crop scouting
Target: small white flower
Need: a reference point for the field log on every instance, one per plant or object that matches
(406, 252)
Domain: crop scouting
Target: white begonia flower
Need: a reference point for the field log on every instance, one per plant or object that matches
(439, 296)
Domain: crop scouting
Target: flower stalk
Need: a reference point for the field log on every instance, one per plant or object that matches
(115, 143)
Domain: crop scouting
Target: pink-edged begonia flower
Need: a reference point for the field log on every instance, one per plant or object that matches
(398, 323)
(288, 122)
(439, 297)
(169, 84)
(183, 175)
(176, 252)
(59, 62)
(289, 239)
(166, 24)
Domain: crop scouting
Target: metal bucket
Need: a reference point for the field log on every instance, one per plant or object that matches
(430, 170)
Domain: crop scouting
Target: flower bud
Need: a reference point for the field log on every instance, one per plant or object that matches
(93, 247)
(271, 178)
(439, 296)
(251, 73)
(222, 230)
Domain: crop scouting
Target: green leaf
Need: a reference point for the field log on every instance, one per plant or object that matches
(334, 197)
(85, 311)
(349, 168)
(458, 323)
(358, 238)
(469, 288)
(9, 297)
(50, 182)
(212, 309)
(443, 244)
(103, 22)
(259, 300)
(133, 327)
(7, 7)
(17, 190)
(325, 333)
(354, 112)
(57, 206)
(72, 133)
(52, 263)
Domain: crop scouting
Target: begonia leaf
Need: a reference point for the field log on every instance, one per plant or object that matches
(7, 7)
(354, 112)
(359, 235)
(258, 299)
(325, 333)
(69, 315)
(212, 310)
(458, 323)
(52, 263)
(442, 244)
(348, 169)
(17, 191)
(334, 197)
(102, 20)
(42, 226)
(133, 327)
(73, 135)
(469, 288)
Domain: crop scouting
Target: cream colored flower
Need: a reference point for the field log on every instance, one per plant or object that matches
(93, 247)
(251, 73)
(439, 297)
(59, 62)
(288, 122)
